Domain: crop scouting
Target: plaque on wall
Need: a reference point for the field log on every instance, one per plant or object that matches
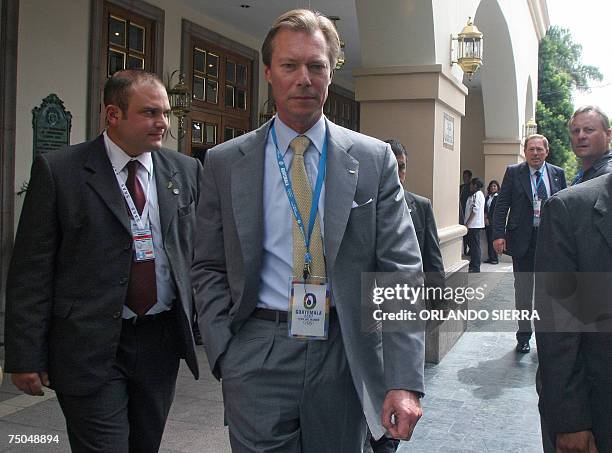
(51, 124)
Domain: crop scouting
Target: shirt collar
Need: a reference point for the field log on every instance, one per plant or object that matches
(284, 134)
(119, 158)
(542, 170)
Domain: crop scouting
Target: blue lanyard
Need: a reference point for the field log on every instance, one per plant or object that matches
(291, 196)
(539, 181)
(578, 178)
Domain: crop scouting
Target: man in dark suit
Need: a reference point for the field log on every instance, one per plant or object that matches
(464, 194)
(260, 276)
(524, 188)
(574, 335)
(424, 222)
(590, 134)
(99, 295)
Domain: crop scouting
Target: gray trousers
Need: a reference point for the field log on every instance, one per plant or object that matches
(287, 395)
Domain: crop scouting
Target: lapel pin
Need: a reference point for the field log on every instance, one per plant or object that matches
(170, 184)
(175, 191)
(352, 172)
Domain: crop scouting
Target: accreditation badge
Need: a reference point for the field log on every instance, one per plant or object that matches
(143, 243)
(309, 304)
(537, 206)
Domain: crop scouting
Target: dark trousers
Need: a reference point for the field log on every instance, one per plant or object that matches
(523, 286)
(491, 250)
(282, 394)
(128, 413)
(473, 240)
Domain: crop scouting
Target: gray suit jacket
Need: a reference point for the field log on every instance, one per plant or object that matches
(573, 267)
(376, 236)
(68, 276)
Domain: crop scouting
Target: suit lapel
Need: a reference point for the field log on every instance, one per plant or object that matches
(103, 181)
(247, 177)
(553, 179)
(168, 189)
(340, 185)
(525, 178)
(603, 219)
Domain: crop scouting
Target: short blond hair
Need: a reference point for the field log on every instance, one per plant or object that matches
(308, 21)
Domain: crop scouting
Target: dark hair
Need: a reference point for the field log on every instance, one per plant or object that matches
(467, 172)
(309, 22)
(477, 183)
(605, 122)
(397, 148)
(493, 181)
(118, 88)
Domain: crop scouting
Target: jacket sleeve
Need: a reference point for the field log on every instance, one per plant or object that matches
(398, 258)
(209, 271)
(30, 280)
(504, 201)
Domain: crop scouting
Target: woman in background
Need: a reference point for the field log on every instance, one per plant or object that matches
(490, 202)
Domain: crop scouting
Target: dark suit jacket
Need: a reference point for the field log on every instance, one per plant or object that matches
(71, 262)
(573, 266)
(427, 235)
(489, 212)
(516, 196)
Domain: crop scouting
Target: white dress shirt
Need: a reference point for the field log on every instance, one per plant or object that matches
(166, 290)
(277, 266)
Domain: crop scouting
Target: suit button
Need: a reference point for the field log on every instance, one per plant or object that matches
(117, 315)
(123, 281)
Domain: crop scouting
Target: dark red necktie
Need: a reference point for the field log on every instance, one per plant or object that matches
(142, 288)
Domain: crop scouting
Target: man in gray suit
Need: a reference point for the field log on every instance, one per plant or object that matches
(574, 335)
(255, 267)
(99, 295)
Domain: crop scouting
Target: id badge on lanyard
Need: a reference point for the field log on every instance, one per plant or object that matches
(309, 296)
(309, 303)
(142, 235)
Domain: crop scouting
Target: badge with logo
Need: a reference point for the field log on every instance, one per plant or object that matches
(309, 309)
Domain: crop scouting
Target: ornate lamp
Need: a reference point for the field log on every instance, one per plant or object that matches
(469, 49)
(180, 102)
(529, 128)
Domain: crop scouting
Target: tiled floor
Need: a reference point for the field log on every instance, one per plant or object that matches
(480, 398)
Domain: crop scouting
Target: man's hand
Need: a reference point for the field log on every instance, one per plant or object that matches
(499, 245)
(580, 442)
(31, 383)
(400, 413)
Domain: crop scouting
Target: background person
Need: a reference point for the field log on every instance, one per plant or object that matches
(573, 265)
(474, 221)
(524, 188)
(490, 202)
(590, 134)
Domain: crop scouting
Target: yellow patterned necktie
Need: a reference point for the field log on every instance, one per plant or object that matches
(303, 196)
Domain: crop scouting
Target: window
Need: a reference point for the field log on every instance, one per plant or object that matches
(341, 108)
(221, 74)
(125, 34)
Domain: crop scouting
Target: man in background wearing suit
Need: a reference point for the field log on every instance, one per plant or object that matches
(574, 334)
(524, 188)
(99, 295)
(260, 284)
(590, 134)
